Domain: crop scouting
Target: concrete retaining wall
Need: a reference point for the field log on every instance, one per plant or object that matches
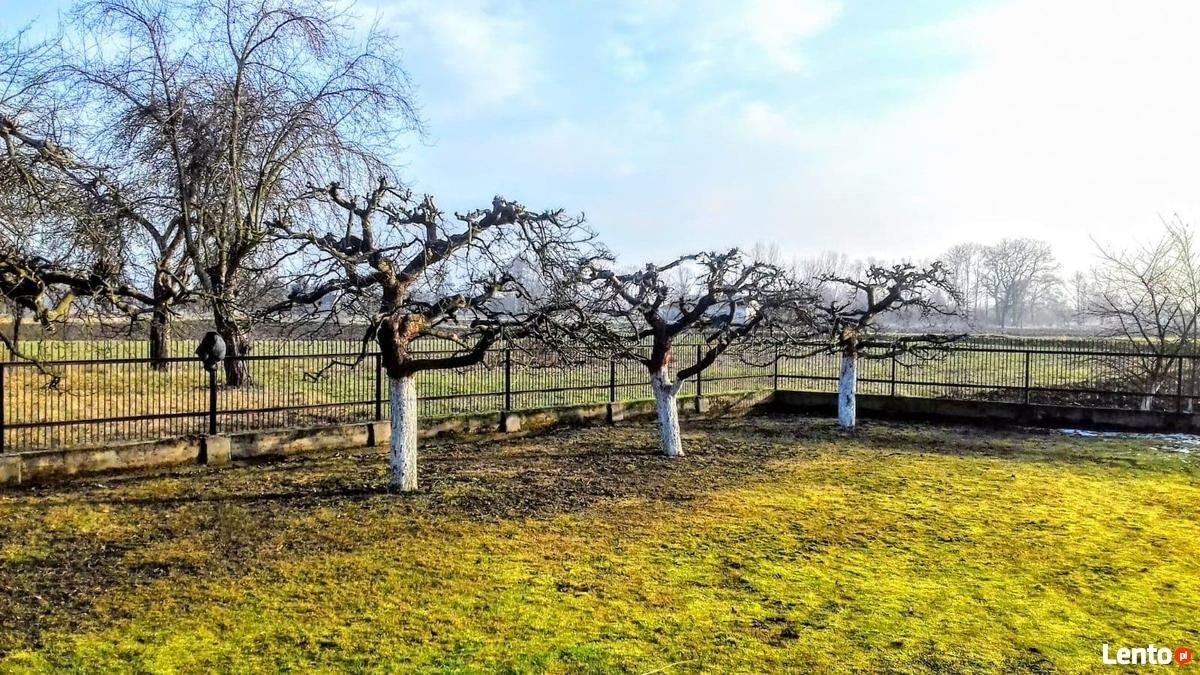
(40, 466)
(998, 414)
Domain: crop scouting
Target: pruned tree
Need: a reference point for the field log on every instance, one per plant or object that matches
(412, 273)
(1150, 297)
(722, 298)
(852, 319)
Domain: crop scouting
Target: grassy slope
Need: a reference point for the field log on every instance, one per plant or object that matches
(777, 543)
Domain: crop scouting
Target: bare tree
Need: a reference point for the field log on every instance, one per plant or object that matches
(1150, 296)
(411, 273)
(723, 298)
(1015, 272)
(963, 262)
(1082, 297)
(58, 244)
(208, 122)
(826, 264)
(852, 318)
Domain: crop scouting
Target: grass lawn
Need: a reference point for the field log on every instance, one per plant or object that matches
(778, 544)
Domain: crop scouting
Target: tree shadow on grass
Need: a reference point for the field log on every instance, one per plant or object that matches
(241, 517)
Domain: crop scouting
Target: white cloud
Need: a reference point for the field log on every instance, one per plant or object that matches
(487, 49)
(753, 36)
(627, 60)
(777, 27)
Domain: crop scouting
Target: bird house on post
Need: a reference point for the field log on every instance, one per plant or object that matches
(211, 351)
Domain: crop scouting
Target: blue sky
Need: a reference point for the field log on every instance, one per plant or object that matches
(880, 129)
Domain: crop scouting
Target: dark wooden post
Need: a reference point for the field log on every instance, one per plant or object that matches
(2, 400)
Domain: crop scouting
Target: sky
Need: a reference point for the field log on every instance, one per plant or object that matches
(879, 129)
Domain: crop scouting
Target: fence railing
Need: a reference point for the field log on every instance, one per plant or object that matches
(89, 402)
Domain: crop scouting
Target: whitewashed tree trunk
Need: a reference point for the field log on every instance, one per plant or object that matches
(1148, 401)
(666, 398)
(403, 455)
(847, 382)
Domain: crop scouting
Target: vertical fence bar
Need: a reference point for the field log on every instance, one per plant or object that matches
(378, 386)
(612, 380)
(775, 371)
(894, 357)
(508, 378)
(1179, 385)
(699, 376)
(212, 402)
(1028, 357)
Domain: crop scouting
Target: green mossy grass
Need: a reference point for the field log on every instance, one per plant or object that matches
(777, 544)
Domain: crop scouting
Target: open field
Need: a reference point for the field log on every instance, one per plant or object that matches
(779, 543)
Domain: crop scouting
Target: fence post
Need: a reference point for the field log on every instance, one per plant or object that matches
(212, 402)
(1179, 386)
(1, 408)
(612, 380)
(508, 378)
(699, 378)
(1028, 356)
(378, 386)
(894, 358)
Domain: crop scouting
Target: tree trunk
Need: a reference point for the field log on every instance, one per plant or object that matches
(17, 315)
(1148, 400)
(847, 382)
(666, 398)
(237, 345)
(403, 448)
(160, 340)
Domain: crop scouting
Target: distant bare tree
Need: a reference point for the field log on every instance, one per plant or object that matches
(724, 298)
(963, 262)
(852, 317)
(411, 273)
(1014, 274)
(1150, 296)
(1082, 297)
(829, 263)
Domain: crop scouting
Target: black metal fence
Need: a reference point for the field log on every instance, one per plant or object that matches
(76, 402)
(86, 402)
(1093, 373)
